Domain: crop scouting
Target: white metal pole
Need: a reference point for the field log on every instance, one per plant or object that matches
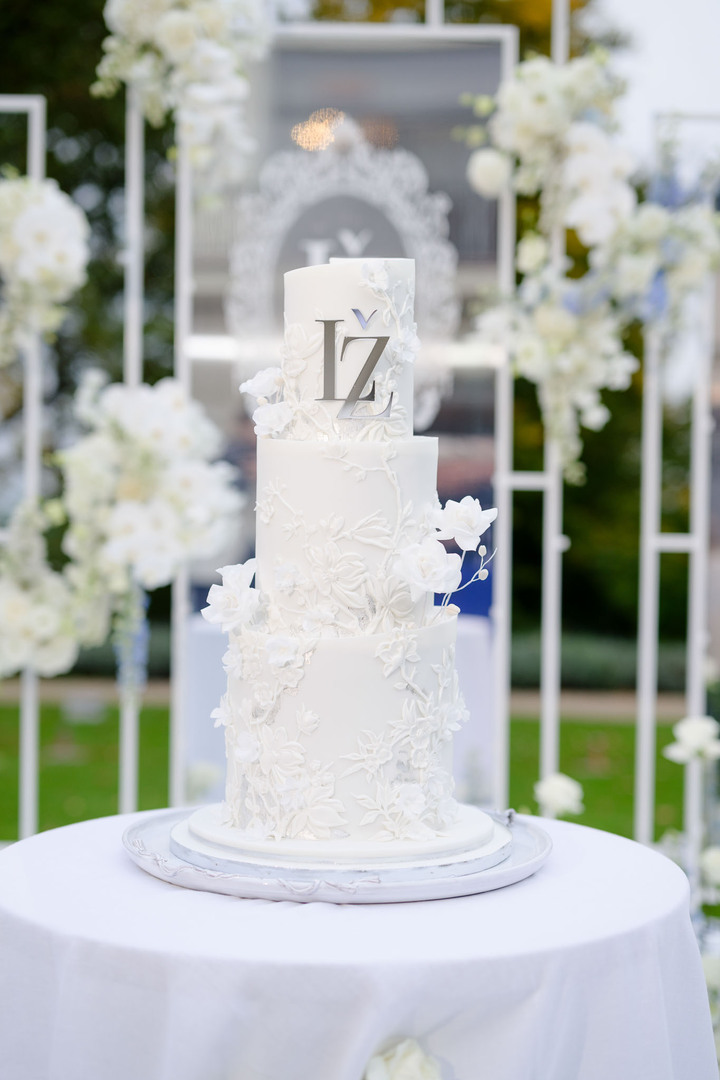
(32, 472)
(181, 585)
(133, 302)
(648, 600)
(700, 469)
(553, 540)
(502, 493)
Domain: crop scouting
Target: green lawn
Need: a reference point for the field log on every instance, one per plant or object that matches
(79, 769)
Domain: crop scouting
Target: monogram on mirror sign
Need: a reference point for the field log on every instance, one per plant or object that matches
(347, 409)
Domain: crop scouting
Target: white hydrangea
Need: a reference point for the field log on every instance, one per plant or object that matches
(44, 251)
(141, 494)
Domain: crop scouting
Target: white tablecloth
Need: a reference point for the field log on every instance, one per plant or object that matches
(587, 971)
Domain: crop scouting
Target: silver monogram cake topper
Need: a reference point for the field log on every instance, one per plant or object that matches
(347, 409)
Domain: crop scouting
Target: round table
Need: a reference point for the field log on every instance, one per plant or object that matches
(587, 971)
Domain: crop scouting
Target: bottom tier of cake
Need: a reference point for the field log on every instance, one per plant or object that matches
(343, 739)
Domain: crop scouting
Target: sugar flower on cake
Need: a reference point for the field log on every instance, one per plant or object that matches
(235, 602)
(405, 1060)
(464, 522)
(559, 794)
(272, 419)
(264, 385)
(44, 251)
(428, 568)
(696, 737)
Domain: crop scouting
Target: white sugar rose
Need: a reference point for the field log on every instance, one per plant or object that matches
(272, 419)
(488, 172)
(428, 568)
(233, 603)
(464, 522)
(264, 384)
(282, 649)
(405, 1061)
(559, 794)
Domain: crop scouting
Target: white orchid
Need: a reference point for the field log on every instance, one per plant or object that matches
(428, 568)
(559, 794)
(696, 737)
(235, 602)
(265, 384)
(464, 522)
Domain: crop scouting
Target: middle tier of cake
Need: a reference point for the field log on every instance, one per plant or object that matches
(332, 519)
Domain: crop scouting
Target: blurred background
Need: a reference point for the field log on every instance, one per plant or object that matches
(400, 100)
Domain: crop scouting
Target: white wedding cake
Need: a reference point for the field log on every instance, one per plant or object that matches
(342, 694)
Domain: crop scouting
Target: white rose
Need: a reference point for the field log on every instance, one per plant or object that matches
(633, 274)
(176, 32)
(559, 794)
(488, 172)
(272, 419)
(264, 384)
(428, 568)
(234, 602)
(532, 253)
(464, 522)
(405, 1061)
(650, 222)
(697, 737)
(710, 865)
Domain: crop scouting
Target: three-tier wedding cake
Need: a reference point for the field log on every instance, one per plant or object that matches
(342, 693)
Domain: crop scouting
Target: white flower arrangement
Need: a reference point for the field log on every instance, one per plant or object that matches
(559, 794)
(45, 615)
(551, 135)
(43, 259)
(565, 338)
(189, 58)
(142, 495)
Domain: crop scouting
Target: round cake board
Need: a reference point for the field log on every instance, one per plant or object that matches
(150, 845)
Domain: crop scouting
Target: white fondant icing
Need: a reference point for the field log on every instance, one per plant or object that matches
(342, 692)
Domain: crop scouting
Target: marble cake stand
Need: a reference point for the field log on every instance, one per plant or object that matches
(162, 845)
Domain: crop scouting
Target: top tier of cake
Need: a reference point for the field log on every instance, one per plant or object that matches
(350, 341)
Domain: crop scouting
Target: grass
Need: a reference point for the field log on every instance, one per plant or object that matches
(78, 768)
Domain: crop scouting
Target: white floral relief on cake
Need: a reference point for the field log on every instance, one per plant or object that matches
(335, 593)
(411, 793)
(275, 789)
